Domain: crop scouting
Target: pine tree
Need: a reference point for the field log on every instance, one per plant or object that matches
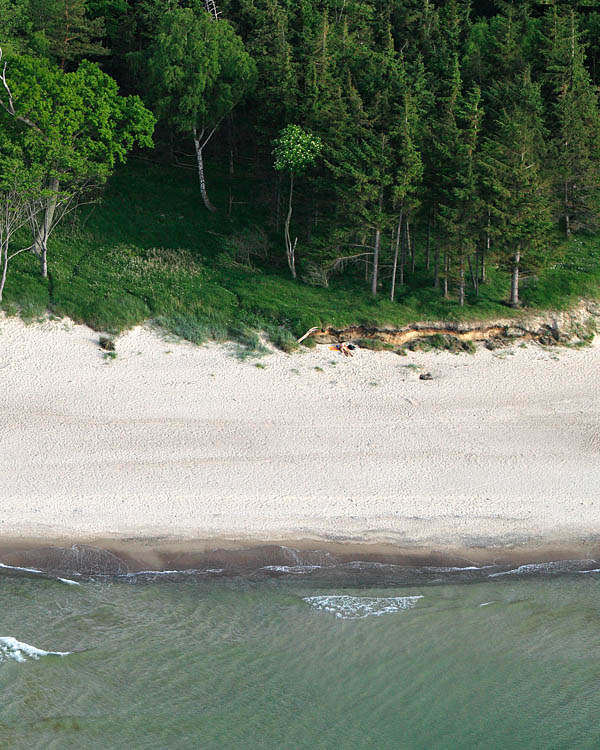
(361, 157)
(64, 30)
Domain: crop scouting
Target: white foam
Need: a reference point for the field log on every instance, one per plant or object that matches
(469, 567)
(11, 648)
(291, 568)
(596, 570)
(188, 572)
(68, 581)
(359, 607)
(486, 604)
(558, 566)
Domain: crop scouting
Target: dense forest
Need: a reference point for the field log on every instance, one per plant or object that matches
(425, 153)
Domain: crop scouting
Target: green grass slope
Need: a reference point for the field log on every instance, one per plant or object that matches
(150, 250)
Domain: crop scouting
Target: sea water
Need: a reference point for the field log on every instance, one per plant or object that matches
(177, 661)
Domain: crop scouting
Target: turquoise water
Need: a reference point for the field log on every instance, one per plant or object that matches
(234, 663)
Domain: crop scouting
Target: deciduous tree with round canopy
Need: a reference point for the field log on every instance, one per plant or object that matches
(74, 127)
(295, 150)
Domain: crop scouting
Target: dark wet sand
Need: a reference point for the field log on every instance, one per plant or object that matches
(113, 556)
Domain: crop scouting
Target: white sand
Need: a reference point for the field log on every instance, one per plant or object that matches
(183, 441)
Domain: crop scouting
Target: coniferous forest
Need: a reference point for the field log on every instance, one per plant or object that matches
(241, 164)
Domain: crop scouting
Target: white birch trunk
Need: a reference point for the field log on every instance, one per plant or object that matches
(40, 240)
(199, 145)
(514, 282)
(396, 250)
(290, 247)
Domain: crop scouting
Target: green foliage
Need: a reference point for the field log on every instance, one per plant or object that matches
(112, 275)
(441, 146)
(64, 31)
(200, 69)
(191, 328)
(78, 125)
(296, 150)
(281, 337)
(375, 345)
(575, 117)
(513, 158)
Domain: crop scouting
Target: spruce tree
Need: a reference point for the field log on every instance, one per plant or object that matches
(408, 161)
(460, 214)
(576, 123)
(513, 167)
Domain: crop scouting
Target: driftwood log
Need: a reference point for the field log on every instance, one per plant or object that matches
(308, 333)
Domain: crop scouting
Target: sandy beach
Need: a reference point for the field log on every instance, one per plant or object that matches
(173, 442)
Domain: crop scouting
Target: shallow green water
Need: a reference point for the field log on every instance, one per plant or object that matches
(237, 664)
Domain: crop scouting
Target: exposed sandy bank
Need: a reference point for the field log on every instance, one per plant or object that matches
(170, 440)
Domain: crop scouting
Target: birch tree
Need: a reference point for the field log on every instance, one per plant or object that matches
(295, 150)
(201, 71)
(18, 198)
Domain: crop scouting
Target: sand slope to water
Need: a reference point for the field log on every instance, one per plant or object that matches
(190, 442)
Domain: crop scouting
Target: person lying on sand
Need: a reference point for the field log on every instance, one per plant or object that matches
(344, 348)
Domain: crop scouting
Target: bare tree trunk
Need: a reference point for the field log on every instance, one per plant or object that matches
(486, 249)
(16, 210)
(428, 256)
(411, 247)
(396, 250)
(199, 145)
(278, 203)
(231, 165)
(290, 247)
(461, 283)
(403, 254)
(4, 268)
(514, 282)
(40, 239)
(567, 217)
(474, 272)
(436, 264)
(374, 276)
(446, 269)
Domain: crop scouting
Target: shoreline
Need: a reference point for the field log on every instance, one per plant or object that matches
(344, 564)
(169, 445)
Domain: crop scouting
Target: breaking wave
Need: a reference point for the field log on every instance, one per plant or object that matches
(11, 648)
(358, 607)
(36, 572)
(549, 568)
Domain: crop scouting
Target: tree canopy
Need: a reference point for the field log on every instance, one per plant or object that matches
(452, 136)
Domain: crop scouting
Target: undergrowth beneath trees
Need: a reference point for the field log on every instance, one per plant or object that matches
(149, 251)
